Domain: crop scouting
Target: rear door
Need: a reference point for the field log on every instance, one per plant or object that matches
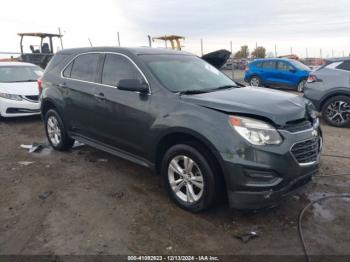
(270, 73)
(79, 89)
(123, 115)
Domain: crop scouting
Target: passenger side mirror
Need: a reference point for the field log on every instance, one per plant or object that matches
(134, 85)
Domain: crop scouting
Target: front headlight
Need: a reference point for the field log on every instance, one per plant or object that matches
(11, 97)
(255, 131)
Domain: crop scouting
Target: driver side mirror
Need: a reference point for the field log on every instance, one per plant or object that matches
(134, 85)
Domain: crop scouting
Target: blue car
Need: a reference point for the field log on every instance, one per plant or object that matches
(278, 72)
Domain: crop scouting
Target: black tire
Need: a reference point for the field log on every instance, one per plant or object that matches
(301, 86)
(65, 142)
(332, 116)
(255, 81)
(210, 182)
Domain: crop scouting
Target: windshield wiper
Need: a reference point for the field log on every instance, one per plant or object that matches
(193, 92)
(223, 87)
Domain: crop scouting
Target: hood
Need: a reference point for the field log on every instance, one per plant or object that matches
(279, 107)
(217, 58)
(20, 88)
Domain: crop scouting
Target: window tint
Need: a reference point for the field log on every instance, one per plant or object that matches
(258, 64)
(117, 67)
(269, 64)
(68, 70)
(284, 66)
(344, 66)
(85, 67)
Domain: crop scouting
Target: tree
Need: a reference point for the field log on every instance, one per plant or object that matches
(243, 53)
(259, 52)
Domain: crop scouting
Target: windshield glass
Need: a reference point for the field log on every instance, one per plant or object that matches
(300, 65)
(11, 74)
(181, 73)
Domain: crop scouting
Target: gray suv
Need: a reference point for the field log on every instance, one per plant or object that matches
(178, 115)
(329, 89)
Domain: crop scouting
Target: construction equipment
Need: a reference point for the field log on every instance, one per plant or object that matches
(173, 39)
(40, 54)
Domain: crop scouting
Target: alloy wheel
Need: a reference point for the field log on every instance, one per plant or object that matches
(185, 179)
(54, 130)
(338, 112)
(254, 81)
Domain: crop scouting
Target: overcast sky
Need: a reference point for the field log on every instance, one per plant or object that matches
(300, 24)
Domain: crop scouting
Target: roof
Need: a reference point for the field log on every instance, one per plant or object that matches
(40, 34)
(169, 37)
(273, 59)
(338, 59)
(132, 50)
(15, 64)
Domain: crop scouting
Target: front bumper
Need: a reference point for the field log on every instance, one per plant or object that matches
(12, 108)
(261, 177)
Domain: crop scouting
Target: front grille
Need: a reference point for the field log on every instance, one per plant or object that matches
(32, 98)
(306, 151)
(297, 126)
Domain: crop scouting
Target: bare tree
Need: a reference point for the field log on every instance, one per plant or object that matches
(243, 53)
(259, 52)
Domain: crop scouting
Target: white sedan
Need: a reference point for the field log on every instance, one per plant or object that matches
(19, 92)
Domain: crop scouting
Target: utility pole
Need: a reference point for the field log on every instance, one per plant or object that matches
(231, 47)
(118, 38)
(59, 32)
(202, 47)
(291, 50)
(275, 50)
(320, 52)
(307, 53)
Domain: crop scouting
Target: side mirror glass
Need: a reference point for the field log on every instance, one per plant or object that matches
(134, 85)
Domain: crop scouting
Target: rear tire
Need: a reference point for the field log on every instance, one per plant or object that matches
(336, 111)
(188, 178)
(255, 81)
(56, 132)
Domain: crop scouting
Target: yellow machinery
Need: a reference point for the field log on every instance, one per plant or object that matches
(173, 39)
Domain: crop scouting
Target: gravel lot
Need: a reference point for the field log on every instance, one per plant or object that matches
(96, 203)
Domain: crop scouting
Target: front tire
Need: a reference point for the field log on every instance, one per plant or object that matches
(336, 111)
(188, 178)
(56, 132)
(301, 86)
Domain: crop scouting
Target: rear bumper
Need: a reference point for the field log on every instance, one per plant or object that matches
(12, 108)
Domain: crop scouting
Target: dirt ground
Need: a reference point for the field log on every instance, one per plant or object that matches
(95, 203)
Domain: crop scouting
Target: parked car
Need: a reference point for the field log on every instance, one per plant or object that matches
(175, 113)
(277, 72)
(329, 89)
(19, 93)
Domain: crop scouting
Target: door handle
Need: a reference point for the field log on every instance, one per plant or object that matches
(100, 96)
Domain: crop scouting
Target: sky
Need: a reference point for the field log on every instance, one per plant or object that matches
(291, 25)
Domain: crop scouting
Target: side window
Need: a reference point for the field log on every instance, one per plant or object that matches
(118, 67)
(344, 66)
(68, 70)
(283, 66)
(85, 67)
(269, 64)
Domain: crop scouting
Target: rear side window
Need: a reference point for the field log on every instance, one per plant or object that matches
(117, 67)
(85, 67)
(269, 64)
(344, 66)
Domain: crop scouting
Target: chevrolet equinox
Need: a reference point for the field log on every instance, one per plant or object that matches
(175, 113)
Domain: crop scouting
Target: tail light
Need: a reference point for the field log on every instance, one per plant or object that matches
(40, 85)
(312, 78)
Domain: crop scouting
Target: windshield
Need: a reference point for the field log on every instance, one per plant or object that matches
(300, 65)
(11, 74)
(181, 73)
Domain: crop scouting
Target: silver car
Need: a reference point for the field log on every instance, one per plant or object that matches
(328, 88)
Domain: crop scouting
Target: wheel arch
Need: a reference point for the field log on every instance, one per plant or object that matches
(338, 92)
